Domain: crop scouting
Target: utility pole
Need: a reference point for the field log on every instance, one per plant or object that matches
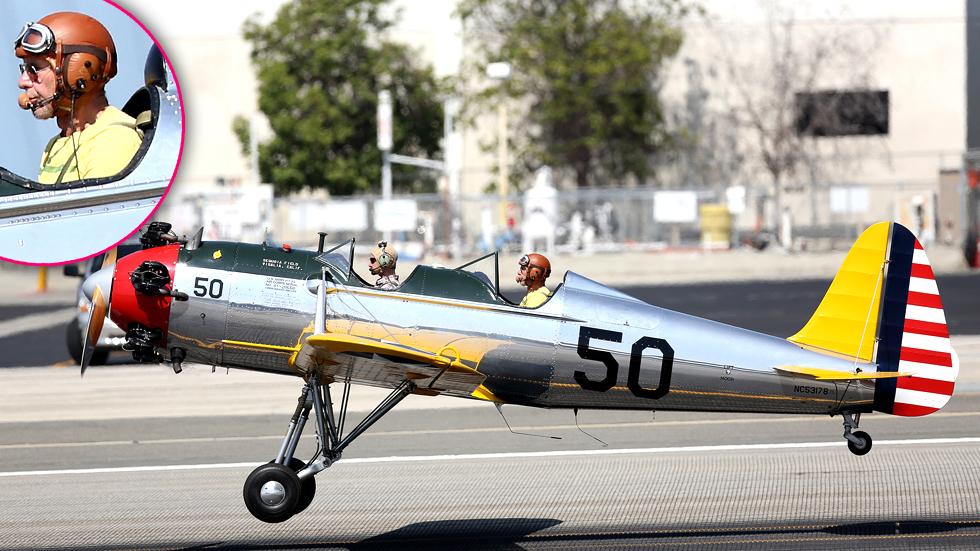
(385, 144)
(501, 71)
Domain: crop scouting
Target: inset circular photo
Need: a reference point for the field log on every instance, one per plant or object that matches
(92, 128)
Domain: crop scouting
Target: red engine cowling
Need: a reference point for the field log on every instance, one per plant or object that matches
(131, 306)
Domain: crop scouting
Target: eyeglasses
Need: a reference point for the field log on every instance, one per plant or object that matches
(373, 260)
(35, 38)
(32, 70)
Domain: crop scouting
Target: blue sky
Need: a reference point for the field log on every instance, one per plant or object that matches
(25, 137)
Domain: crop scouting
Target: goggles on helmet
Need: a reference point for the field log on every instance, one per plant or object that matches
(35, 38)
(524, 261)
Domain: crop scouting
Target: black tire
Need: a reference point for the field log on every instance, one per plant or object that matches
(307, 487)
(862, 448)
(289, 485)
(99, 357)
(74, 338)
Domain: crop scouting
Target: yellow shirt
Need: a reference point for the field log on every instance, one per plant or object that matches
(105, 147)
(536, 298)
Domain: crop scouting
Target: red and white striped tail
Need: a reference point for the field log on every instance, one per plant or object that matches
(923, 347)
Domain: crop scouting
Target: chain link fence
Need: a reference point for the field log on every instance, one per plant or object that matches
(616, 219)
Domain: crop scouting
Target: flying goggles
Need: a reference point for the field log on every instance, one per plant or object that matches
(35, 38)
(525, 262)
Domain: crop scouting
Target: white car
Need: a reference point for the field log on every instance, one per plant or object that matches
(112, 337)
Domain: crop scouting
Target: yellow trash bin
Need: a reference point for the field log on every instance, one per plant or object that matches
(716, 226)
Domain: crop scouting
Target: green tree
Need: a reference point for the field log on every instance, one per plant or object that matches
(320, 65)
(585, 81)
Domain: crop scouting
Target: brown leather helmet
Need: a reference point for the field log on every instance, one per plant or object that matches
(537, 266)
(81, 49)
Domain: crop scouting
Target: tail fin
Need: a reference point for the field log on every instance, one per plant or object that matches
(884, 307)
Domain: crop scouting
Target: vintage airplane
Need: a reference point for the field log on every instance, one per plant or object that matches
(877, 342)
(35, 218)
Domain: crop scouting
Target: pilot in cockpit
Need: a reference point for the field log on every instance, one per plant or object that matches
(68, 58)
(382, 263)
(532, 272)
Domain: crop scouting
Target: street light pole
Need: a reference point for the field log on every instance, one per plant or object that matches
(501, 71)
(385, 143)
(503, 182)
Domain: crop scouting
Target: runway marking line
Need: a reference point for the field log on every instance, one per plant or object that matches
(506, 455)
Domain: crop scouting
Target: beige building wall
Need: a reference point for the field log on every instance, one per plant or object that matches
(917, 55)
(920, 61)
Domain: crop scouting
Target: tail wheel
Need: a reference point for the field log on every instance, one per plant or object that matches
(272, 492)
(863, 444)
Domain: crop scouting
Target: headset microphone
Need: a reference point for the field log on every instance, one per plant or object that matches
(26, 103)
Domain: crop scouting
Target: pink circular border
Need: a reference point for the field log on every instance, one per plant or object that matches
(180, 152)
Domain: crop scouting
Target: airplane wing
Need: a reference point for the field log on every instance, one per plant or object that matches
(367, 353)
(821, 374)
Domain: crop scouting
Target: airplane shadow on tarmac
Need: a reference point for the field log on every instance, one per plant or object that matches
(494, 533)
(514, 533)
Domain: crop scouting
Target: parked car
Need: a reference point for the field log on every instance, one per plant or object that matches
(112, 337)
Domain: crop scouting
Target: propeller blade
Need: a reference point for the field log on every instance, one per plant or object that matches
(96, 320)
(92, 288)
(110, 257)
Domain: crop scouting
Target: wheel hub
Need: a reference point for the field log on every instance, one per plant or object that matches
(272, 493)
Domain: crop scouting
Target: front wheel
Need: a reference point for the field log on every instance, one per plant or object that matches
(272, 492)
(863, 445)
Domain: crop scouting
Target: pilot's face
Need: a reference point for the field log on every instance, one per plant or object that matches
(521, 274)
(374, 266)
(39, 82)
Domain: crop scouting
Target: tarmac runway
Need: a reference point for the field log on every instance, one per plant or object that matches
(457, 478)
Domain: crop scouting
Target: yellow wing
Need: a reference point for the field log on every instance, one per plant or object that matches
(368, 353)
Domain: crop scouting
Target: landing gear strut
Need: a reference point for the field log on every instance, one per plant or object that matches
(276, 491)
(858, 442)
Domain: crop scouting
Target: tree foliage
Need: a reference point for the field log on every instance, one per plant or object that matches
(585, 80)
(320, 65)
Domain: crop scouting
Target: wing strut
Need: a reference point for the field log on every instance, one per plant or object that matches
(330, 433)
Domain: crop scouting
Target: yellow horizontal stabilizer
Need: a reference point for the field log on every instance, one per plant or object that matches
(833, 375)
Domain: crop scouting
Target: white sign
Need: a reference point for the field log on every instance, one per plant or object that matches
(735, 196)
(395, 215)
(343, 216)
(675, 206)
(850, 199)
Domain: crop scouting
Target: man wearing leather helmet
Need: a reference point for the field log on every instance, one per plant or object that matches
(532, 272)
(68, 58)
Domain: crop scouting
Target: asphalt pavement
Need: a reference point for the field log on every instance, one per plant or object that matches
(458, 479)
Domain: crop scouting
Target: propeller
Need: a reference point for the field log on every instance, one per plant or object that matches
(93, 290)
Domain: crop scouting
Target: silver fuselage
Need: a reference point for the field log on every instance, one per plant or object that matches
(589, 346)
